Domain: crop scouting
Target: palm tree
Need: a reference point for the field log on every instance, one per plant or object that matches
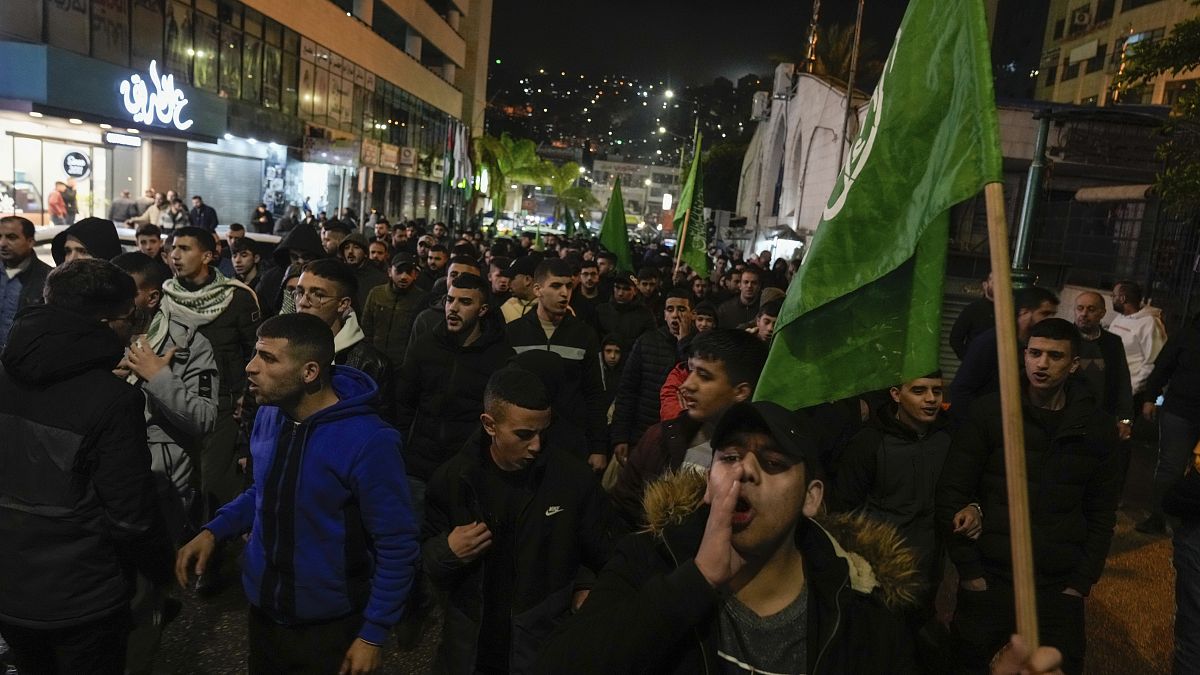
(568, 194)
(508, 161)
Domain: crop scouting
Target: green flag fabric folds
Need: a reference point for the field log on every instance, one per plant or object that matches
(694, 251)
(613, 234)
(864, 310)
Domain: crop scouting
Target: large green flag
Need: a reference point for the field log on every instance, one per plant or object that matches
(864, 310)
(613, 233)
(568, 222)
(694, 251)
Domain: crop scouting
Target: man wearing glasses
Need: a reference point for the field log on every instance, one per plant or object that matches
(77, 497)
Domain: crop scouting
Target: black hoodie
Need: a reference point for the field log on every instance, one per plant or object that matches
(97, 234)
(302, 238)
(77, 498)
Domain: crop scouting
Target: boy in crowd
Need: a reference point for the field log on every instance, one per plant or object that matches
(764, 321)
(724, 365)
(246, 262)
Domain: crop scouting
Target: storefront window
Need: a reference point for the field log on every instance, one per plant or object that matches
(110, 31)
(231, 61)
(148, 26)
(320, 96)
(67, 25)
(179, 41)
(308, 78)
(208, 45)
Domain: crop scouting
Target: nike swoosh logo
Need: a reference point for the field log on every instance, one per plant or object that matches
(553, 510)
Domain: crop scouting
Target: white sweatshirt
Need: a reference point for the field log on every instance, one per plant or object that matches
(1143, 335)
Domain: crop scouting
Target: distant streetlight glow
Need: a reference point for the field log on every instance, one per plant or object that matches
(669, 94)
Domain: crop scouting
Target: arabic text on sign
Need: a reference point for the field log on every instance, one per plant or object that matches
(165, 104)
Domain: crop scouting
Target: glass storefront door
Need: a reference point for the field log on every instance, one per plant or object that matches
(37, 167)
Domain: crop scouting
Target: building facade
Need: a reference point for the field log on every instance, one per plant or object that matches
(1087, 42)
(330, 104)
(644, 189)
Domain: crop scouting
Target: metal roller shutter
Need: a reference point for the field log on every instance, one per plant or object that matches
(231, 185)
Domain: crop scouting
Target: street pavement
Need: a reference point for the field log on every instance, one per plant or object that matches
(1130, 613)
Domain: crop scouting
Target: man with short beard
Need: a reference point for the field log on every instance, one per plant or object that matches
(332, 547)
(387, 319)
(23, 276)
(741, 309)
(434, 312)
(440, 385)
(379, 252)
(1102, 362)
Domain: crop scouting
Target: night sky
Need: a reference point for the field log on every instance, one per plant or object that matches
(680, 41)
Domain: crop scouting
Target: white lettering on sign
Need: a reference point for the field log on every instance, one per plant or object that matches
(165, 104)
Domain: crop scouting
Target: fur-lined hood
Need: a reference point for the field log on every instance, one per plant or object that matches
(878, 560)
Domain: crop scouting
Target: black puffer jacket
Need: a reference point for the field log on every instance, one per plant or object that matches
(362, 356)
(78, 508)
(637, 404)
(1073, 473)
(891, 474)
(1178, 364)
(651, 611)
(566, 524)
(440, 393)
(624, 321)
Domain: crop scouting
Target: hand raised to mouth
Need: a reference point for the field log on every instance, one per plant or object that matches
(716, 559)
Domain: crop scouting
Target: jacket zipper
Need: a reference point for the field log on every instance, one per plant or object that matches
(837, 622)
(695, 632)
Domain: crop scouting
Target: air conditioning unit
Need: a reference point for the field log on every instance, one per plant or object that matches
(785, 74)
(1081, 18)
(760, 107)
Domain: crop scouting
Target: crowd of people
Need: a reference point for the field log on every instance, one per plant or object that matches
(561, 456)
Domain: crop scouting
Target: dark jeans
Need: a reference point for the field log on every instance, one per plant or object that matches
(96, 648)
(1177, 436)
(1187, 597)
(308, 649)
(984, 621)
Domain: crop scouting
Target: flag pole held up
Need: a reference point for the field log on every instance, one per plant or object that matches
(1012, 423)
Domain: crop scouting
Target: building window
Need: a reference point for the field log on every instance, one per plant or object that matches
(1174, 90)
(1134, 4)
(1051, 75)
(207, 46)
(1104, 10)
(148, 24)
(1070, 71)
(1096, 63)
(67, 25)
(231, 62)
(1081, 20)
(1059, 27)
(110, 31)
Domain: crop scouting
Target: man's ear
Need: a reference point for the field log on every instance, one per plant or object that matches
(484, 309)
(743, 392)
(344, 306)
(1074, 364)
(895, 393)
(155, 298)
(813, 496)
(310, 372)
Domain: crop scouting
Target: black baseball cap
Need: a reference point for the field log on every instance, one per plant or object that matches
(790, 430)
(403, 260)
(623, 279)
(526, 264)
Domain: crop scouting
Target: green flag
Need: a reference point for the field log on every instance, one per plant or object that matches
(694, 251)
(864, 310)
(568, 223)
(613, 234)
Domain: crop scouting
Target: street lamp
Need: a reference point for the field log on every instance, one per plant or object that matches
(669, 94)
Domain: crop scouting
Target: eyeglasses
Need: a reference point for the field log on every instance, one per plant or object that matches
(314, 298)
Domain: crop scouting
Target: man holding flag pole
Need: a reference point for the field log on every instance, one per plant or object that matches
(741, 547)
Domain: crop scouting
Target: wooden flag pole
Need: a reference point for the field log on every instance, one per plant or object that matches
(1011, 419)
(682, 238)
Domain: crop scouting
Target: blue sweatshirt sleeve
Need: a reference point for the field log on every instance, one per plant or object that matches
(379, 482)
(235, 517)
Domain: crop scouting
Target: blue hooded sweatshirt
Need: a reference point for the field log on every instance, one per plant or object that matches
(332, 530)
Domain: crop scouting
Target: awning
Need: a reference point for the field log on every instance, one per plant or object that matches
(1113, 193)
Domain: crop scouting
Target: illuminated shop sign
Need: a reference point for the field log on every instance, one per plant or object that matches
(165, 104)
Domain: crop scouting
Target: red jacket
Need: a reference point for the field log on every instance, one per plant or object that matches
(669, 405)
